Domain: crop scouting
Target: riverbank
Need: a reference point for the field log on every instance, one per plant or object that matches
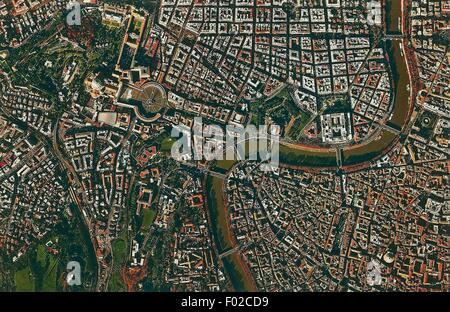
(401, 83)
(235, 267)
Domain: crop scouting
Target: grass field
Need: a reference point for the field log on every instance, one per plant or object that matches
(297, 124)
(120, 252)
(24, 280)
(120, 249)
(148, 216)
(166, 144)
(41, 255)
(50, 278)
(40, 274)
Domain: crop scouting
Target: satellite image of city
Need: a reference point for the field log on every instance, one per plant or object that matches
(224, 146)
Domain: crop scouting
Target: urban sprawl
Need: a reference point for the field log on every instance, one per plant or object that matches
(359, 92)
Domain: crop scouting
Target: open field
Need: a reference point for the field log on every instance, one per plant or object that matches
(24, 280)
(50, 277)
(148, 216)
(120, 251)
(40, 272)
